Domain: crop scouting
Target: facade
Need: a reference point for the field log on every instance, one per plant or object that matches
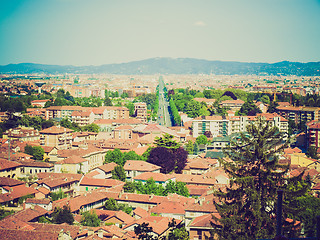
(140, 110)
(56, 136)
(224, 126)
(299, 114)
(82, 118)
(233, 105)
(134, 168)
(313, 134)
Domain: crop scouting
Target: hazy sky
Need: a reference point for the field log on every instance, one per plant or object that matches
(95, 32)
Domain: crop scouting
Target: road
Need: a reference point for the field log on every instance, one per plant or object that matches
(163, 111)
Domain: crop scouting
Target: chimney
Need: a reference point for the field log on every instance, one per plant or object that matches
(90, 231)
(100, 233)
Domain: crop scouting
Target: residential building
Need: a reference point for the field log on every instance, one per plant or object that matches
(10, 169)
(299, 114)
(39, 103)
(56, 136)
(134, 168)
(82, 118)
(233, 105)
(22, 134)
(140, 110)
(224, 126)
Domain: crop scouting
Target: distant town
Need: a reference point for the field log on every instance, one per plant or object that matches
(103, 156)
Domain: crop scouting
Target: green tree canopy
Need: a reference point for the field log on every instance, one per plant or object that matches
(202, 139)
(166, 141)
(119, 173)
(90, 219)
(62, 215)
(247, 206)
(115, 156)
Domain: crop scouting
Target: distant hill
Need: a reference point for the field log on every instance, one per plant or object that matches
(174, 66)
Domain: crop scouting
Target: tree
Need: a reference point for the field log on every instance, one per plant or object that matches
(90, 219)
(119, 173)
(144, 232)
(107, 101)
(115, 156)
(177, 232)
(91, 128)
(202, 139)
(130, 106)
(38, 153)
(131, 155)
(312, 152)
(195, 148)
(129, 187)
(265, 99)
(189, 147)
(162, 157)
(62, 215)
(272, 107)
(247, 206)
(192, 108)
(57, 195)
(111, 204)
(166, 141)
(249, 109)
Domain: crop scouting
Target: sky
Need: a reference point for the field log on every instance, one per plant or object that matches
(96, 32)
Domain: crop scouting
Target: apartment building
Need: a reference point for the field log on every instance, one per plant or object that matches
(82, 118)
(313, 134)
(224, 126)
(299, 114)
(56, 136)
(234, 105)
(140, 110)
(60, 112)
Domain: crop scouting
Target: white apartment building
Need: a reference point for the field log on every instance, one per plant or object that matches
(224, 126)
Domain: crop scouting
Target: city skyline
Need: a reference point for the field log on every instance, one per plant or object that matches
(69, 32)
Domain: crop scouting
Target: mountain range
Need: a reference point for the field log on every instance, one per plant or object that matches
(172, 66)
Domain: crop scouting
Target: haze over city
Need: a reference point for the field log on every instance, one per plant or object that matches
(82, 32)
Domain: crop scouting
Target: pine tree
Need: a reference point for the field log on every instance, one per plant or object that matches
(248, 205)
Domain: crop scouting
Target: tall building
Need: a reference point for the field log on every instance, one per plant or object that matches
(140, 110)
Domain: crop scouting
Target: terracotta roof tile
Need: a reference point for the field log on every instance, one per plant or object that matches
(141, 212)
(30, 213)
(56, 130)
(158, 177)
(168, 207)
(5, 181)
(142, 166)
(108, 167)
(72, 160)
(100, 182)
(5, 164)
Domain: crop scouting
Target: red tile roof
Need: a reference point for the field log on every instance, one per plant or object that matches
(5, 164)
(100, 182)
(141, 166)
(168, 207)
(16, 192)
(11, 222)
(203, 221)
(5, 181)
(122, 216)
(108, 167)
(140, 212)
(158, 177)
(56, 130)
(72, 160)
(30, 214)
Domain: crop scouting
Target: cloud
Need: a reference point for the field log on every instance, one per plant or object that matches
(199, 24)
